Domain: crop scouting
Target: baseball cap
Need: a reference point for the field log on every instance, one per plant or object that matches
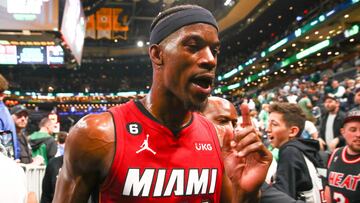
(17, 109)
(352, 115)
(357, 90)
(330, 96)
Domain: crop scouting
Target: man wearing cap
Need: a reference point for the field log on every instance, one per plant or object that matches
(344, 164)
(331, 123)
(6, 122)
(159, 149)
(20, 116)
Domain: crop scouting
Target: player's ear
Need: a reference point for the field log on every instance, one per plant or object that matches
(155, 53)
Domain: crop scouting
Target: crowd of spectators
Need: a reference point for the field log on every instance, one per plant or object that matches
(102, 78)
(321, 95)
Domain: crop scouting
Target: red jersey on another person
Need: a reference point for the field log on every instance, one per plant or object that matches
(154, 164)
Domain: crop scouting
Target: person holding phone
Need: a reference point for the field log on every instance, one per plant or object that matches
(6, 122)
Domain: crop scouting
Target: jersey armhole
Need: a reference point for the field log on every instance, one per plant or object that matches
(116, 158)
(332, 157)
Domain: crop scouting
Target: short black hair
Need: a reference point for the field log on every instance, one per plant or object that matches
(168, 12)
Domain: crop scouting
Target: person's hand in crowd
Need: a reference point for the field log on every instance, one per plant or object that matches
(322, 144)
(333, 144)
(38, 160)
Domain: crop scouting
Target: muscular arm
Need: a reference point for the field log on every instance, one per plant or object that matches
(89, 152)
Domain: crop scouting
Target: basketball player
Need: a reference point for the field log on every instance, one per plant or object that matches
(187, 166)
(344, 164)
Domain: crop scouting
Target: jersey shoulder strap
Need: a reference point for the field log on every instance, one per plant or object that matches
(337, 150)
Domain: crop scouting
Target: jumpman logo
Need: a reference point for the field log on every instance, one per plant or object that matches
(145, 146)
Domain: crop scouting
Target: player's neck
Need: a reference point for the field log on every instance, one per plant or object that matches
(169, 113)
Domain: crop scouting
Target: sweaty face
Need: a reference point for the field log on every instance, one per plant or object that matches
(351, 133)
(221, 112)
(278, 132)
(189, 62)
(21, 119)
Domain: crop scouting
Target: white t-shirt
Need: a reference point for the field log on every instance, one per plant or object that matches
(340, 91)
(310, 127)
(329, 133)
(251, 105)
(12, 181)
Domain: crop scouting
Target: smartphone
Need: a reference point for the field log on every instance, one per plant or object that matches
(7, 144)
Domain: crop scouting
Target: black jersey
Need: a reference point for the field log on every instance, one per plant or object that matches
(344, 177)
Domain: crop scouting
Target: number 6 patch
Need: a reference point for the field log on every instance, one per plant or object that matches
(134, 128)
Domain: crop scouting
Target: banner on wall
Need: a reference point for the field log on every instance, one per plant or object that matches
(103, 23)
(90, 27)
(107, 23)
(119, 20)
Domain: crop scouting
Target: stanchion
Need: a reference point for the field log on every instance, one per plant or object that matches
(34, 175)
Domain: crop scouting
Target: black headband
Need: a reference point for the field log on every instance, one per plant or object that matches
(179, 19)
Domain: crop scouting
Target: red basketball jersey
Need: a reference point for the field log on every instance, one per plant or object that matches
(151, 164)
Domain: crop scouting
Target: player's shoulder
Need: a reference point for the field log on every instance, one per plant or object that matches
(92, 124)
(91, 139)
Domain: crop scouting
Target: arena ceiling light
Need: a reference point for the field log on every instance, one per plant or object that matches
(313, 49)
(228, 3)
(297, 33)
(352, 31)
(286, 62)
(278, 44)
(140, 43)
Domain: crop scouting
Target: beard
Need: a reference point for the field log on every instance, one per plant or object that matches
(196, 106)
(355, 148)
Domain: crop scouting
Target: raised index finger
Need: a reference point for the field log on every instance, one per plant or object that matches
(245, 114)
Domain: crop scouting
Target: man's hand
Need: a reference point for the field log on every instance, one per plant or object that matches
(322, 144)
(38, 160)
(333, 144)
(246, 159)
